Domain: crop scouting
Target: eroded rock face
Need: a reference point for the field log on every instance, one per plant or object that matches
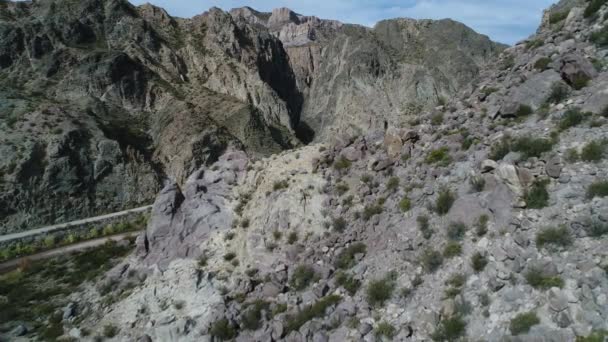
(367, 78)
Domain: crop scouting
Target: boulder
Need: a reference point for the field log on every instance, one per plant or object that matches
(574, 67)
(553, 168)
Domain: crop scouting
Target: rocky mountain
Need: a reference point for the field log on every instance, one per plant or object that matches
(356, 79)
(102, 101)
(484, 219)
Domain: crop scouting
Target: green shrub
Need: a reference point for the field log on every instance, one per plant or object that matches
(385, 329)
(339, 224)
(572, 155)
(533, 44)
(280, 185)
(110, 331)
(556, 17)
(593, 7)
(437, 119)
(456, 230)
(439, 156)
(478, 183)
(481, 226)
(424, 227)
(309, 312)
(500, 149)
(451, 329)
(489, 90)
(405, 204)
(593, 151)
(571, 118)
(348, 282)
(222, 330)
(452, 249)
(522, 323)
(595, 336)
(524, 110)
(380, 290)
(292, 238)
(431, 260)
(444, 202)
(532, 147)
(303, 276)
(554, 236)
(252, 318)
(597, 189)
(341, 188)
(597, 229)
(478, 262)
(538, 280)
(542, 63)
(277, 235)
(229, 256)
(371, 211)
(580, 81)
(392, 184)
(537, 197)
(559, 92)
(346, 258)
(342, 164)
(600, 37)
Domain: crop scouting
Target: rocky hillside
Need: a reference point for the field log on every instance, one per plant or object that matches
(485, 219)
(101, 101)
(355, 79)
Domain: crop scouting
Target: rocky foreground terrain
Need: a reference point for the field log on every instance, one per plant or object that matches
(480, 218)
(101, 101)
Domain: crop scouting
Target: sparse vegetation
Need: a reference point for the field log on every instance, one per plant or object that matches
(559, 92)
(537, 197)
(542, 63)
(597, 189)
(292, 238)
(348, 282)
(554, 236)
(593, 7)
(452, 249)
(342, 164)
(303, 276)
(223, 330)
(431, 260)
(380, 290)
(522, 323)
(523, 110)
(456, 230)
(481, 227)
(595, 336)
(539, 280)
(252, 317)
(392, 184)
(580, 81)
(437, 119)
(478, 183)
(405, 204)
(593, 151)
(558, 16)
(532, 147)
(444, 202)
(597, 229)
(385, 329)
(229, 256)
(346, 259)
(478, 262)
(424, 227)
(450, 329)
(339, 224)
(309, 312)
(600, 37)
(572, 117)
(341, 188)
(500, 149)
(280, 185)
(371, 211)
(439, 157)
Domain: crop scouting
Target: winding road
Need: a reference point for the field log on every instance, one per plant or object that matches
(61, 226)
(77, 247)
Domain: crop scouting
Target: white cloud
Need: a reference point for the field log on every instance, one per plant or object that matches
(504, 21)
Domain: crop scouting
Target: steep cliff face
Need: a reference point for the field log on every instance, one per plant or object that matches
(355, 78)
(102, 100)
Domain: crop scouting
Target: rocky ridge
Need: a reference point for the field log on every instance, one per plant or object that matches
(486, 218)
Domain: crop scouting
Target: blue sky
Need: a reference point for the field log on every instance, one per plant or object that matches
(506, 21)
